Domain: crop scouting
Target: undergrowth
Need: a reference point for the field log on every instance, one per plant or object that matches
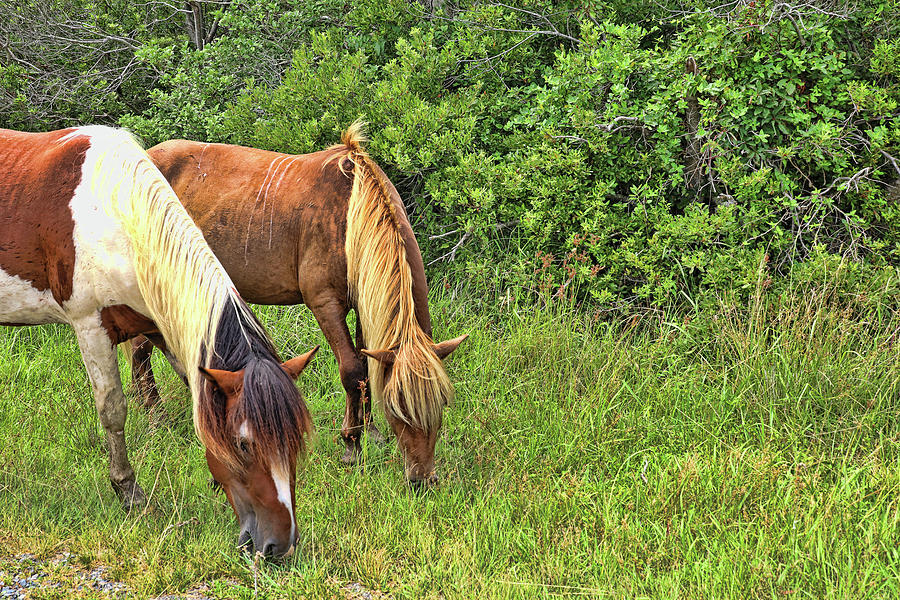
(748, 451)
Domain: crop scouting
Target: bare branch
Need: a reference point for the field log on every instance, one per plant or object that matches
(893, 161)
(451, 255)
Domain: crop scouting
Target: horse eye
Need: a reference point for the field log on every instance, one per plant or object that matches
(244, 446)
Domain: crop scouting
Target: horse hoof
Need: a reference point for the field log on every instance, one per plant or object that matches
(374, 435)
(351, 455)
(148, 399)
(131, 495)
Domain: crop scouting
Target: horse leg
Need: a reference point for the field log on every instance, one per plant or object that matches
(332, 318)
(371, 430)
(160, 342)
(99, 356)
(142, 380)
(177, 367)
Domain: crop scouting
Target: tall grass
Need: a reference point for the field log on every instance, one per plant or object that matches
(743, 452)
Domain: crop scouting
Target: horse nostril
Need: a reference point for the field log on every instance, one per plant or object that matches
(273, 550)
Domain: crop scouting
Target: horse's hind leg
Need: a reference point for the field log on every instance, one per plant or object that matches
(142, 380)
(99, 356)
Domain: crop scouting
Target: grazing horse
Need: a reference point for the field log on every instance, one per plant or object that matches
(329, 230)
(92, 235)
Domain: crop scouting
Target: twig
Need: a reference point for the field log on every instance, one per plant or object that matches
(893, 161)
(451, 255)
(611, 126)
(574, 138)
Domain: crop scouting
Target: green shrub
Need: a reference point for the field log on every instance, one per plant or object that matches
(617, 152)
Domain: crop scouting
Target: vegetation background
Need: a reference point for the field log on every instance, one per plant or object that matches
(671, 227)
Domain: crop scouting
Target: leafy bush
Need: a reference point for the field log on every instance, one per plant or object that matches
(621, 152)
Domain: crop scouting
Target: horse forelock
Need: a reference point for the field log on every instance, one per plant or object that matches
(419, 387)
(270, 406)
(270, 412)
(381, 285)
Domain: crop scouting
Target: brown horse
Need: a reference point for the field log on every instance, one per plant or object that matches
(329, 230)
(93, 236)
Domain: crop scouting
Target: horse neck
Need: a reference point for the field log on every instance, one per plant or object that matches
(239, 338)
(182, 284)
(390, 295)
(384, 266)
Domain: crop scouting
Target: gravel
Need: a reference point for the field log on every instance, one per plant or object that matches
(23, 575)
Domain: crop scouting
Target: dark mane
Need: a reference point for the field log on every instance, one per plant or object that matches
(270, 403)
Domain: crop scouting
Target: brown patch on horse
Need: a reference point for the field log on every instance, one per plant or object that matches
(36, 220)
(255, 205)
(123, 323)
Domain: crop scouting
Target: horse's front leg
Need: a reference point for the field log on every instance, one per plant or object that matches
(371, 430)
(98, 352)
(332, 318)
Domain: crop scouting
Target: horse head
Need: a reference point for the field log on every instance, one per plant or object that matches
(416, 428)
(254, 455)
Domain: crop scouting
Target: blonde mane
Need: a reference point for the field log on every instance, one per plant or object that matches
(381, 287)
(182, 283)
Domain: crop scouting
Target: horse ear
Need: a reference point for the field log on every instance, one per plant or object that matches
(229, 382)
(385, 357)
(295, 366)
(444, 349)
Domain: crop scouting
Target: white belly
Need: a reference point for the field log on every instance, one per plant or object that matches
(22, 303)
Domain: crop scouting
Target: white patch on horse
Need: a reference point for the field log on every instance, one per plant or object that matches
(283, 486)
(104, 272)
(21, 302)
(244, 431)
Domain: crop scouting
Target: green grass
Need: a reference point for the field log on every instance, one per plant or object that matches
(750, 453)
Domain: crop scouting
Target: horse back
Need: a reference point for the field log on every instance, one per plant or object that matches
(275, 221)
(278, 221)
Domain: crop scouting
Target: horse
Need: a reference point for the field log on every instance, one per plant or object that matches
(333, 233)
(93, 236)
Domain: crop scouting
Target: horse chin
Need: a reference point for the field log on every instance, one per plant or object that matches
(423, 484)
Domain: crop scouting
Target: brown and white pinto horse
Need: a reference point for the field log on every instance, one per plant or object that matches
(329, 230)
(93, 236)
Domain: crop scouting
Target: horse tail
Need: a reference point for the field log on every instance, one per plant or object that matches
(381, 288)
